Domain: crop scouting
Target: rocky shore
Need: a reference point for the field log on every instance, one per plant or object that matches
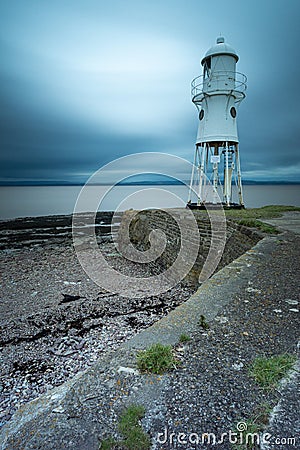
(55, 322)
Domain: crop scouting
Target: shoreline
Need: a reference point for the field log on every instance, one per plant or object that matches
(28, 201)
(45, 229)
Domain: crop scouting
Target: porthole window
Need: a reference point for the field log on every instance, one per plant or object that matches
(201, 114)
(233, 111)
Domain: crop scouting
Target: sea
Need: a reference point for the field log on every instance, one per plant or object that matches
(33, 201)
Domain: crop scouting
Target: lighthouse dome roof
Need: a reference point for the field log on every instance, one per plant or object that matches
(220, 48)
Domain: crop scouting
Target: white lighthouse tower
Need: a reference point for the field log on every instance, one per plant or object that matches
(216, 94)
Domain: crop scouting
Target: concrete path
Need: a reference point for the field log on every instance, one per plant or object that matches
(290, 221)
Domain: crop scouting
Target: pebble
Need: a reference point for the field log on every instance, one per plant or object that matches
(291, 302)
(251, 289)
(128, 370)
(222, 319)
(58, 410)
(237, 366)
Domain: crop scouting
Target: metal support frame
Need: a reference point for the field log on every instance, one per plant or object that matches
(198, 177)
(205, 167)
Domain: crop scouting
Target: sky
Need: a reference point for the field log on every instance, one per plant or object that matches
(83, 82)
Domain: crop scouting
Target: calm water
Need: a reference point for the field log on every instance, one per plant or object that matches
(26, 201)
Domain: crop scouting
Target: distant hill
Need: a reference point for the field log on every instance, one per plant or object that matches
(172, 182)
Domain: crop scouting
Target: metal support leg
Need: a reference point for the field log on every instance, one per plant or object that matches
(239, 174)
(201, 175)
(226, 178)
(192, 176)
(215, 182)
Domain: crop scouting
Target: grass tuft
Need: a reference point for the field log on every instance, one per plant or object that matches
(156, 359)
(184, 338)
(252, 426)
(134, 436)
(108, 444)
(202, 322)
(267, 372)
(129, 426)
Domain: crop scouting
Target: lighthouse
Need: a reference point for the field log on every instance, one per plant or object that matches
(217, 93)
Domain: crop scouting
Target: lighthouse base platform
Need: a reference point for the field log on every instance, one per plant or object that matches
(214, 206)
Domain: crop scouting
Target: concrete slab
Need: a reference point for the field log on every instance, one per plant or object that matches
(290, 221)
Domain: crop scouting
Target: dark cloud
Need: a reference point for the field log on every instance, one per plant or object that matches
(80, 85)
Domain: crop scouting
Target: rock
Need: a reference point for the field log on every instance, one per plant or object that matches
(291, 302)
(237, 366)
(69, 298)
(58, 410)
(221, 319)
(128, 370)
(251, 289)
